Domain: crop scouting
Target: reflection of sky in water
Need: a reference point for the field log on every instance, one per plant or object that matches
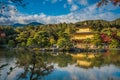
(71, 72)
(11, 62)
(76, 73)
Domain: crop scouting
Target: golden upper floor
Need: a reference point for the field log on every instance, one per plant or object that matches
(82, 33)
(82, 36)
(83, 29)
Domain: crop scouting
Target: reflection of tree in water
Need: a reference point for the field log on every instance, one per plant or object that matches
(40, 64)
(90, 60)
(63, 60)
(35, 65)
(107, 58)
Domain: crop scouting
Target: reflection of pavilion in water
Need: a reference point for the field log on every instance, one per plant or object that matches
(63, 63)
(84, 59)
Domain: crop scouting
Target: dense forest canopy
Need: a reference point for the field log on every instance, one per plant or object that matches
(50, 34)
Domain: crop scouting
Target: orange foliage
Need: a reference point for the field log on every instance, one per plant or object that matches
(105, 2)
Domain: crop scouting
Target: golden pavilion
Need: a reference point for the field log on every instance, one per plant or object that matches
(82, 33)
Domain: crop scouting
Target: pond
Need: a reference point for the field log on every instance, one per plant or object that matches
(25, 65)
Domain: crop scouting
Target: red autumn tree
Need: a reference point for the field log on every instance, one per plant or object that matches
(105, 38)
(115, 36)
(105, 2)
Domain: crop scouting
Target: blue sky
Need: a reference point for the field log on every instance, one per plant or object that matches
(55, 7)
(59, 11)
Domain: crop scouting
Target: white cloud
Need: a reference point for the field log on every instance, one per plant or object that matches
(88, 13)
(70, 1)
(80, 2)
(74, 8)
(54, 1)
(83, 2)
(95, 73)
(11, 11)
(75, 4)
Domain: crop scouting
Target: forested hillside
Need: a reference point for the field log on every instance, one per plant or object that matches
(60, 34)
(99, 24)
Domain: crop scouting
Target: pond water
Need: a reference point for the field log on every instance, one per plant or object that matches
(25, 65)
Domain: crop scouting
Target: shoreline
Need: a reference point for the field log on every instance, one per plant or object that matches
(75, 50)
(94, 50)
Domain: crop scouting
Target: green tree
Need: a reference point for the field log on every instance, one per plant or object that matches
(42, 39)
(2, 41)
(11, 43)
(107, 31)
(118, 33)
(64, 43)
(30, 42)
(96, 40)
(23, 44)
(61, 42)
(23, 36)
(114, 44)
(52, 41)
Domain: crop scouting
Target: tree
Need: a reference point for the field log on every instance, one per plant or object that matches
(105, 38)
(118, 33)
(22, 36)
(105, 2)
(42, 39)
(96, 40)
(64, 43)
(61, 42)
(11, 43)
(114, 44)
(30, 42)
(35, 65)
(23, 44)
(52, 41)
(107, 31)
(4, 4)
